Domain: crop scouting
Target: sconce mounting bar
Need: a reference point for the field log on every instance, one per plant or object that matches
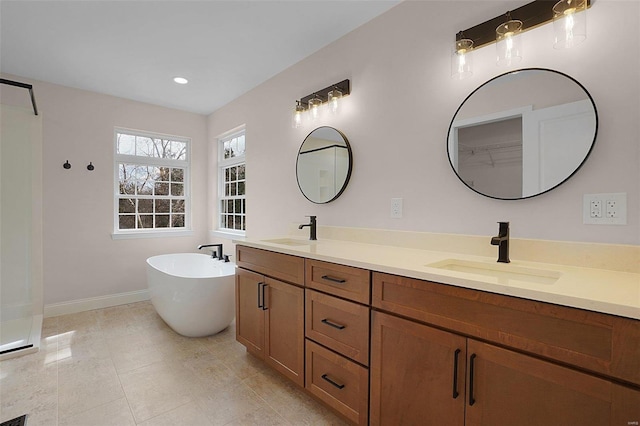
(532, 15)
(24, 86)
(344, 86)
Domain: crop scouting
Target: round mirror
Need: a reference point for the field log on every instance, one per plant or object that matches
(324, 163)
(522, 133)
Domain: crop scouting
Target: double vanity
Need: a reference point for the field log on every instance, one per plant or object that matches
(418, 334)
(390, 335)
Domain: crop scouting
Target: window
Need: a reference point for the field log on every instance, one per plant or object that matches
(152, 182)
(232, 179)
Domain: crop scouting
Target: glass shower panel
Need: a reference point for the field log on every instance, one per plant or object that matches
(20, 246)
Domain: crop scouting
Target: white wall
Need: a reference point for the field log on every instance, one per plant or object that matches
(397, 118)
(81, 260)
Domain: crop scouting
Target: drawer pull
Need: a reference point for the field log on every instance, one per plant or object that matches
(472, 365)
(455, 373)
(260, 299)
(335, 280)
(338, 385)
(333, 324)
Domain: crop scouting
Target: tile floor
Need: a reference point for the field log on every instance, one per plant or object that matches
(124, 366)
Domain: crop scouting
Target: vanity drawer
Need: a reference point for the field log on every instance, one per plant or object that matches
(338, 324)
(277, 265)
(339, 382)
(597, 342)
(343, 281)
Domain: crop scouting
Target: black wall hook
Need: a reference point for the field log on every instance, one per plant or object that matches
(90, 167)
(67, 165)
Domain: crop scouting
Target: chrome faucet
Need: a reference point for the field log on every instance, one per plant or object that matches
(312, 227)
(220, 256)
(502, 241)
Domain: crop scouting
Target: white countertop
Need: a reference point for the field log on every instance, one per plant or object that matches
(599, 290)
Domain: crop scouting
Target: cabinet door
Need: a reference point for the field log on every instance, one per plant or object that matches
(249, 314)
(417, 374)
(284, 329)
(508, 388)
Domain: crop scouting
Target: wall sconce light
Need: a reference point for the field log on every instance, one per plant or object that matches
(569, 26)
(508, 44)
(311, 104)
(461, 66)
(569, 29)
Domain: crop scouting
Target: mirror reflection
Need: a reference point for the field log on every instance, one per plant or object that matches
(522, 133)
(324, 163)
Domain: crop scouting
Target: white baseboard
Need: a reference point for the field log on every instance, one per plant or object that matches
(81, 305)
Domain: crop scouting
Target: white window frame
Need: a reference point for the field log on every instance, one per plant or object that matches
(222, 164)
(151, 161)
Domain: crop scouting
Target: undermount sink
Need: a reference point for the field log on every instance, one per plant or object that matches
(288, 242)
(502, 271)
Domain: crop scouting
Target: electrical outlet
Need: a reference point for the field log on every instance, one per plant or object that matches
(605, 209)
(396, 208)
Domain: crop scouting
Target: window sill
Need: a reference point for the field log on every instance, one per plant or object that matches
(151, 234)
(230, 235)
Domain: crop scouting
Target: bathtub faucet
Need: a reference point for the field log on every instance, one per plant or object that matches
(220, 256)
(312, 227)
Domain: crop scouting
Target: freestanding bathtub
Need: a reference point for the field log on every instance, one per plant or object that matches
(193, 293)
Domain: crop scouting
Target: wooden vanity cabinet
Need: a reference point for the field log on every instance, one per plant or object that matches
(603, 344)
(459, 338)
(427, 376)
(270, 312)
(383, 349)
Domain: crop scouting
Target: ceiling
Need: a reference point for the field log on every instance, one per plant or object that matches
(133, 49)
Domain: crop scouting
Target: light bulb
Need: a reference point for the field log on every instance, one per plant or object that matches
(334, 100)
(314, 107)
(296, 119)
(460, 59)
(508, 46)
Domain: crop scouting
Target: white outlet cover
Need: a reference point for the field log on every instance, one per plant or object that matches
(396, 208)
(606, 201)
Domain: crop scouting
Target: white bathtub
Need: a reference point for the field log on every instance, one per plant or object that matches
(193, 293)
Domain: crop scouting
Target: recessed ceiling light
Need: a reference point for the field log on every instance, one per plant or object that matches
(180, 80)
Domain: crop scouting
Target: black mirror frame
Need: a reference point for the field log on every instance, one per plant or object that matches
(595, 134)
(346, 181)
